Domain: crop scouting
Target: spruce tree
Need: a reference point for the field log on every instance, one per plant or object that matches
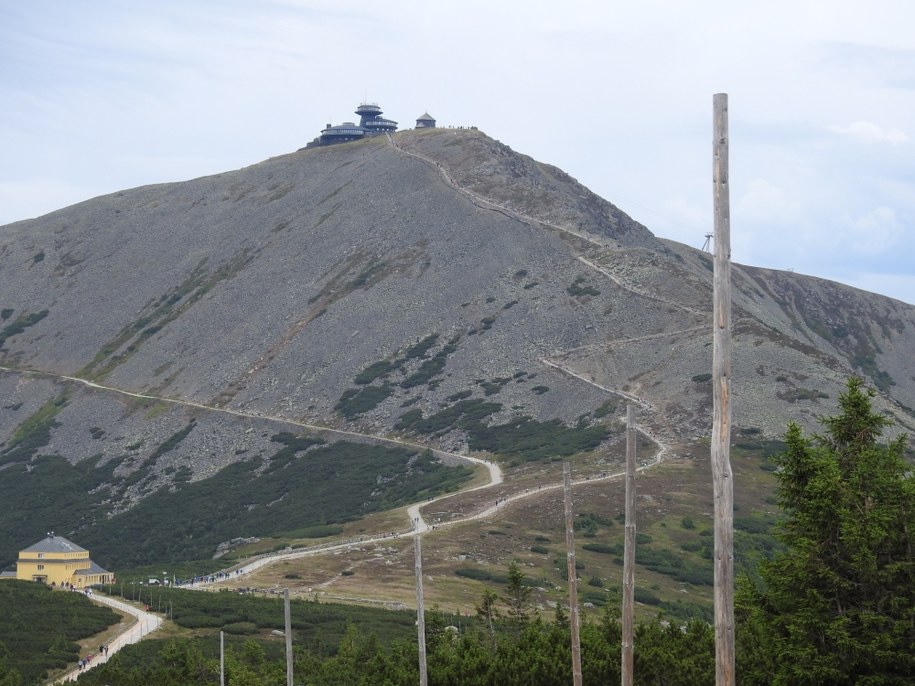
(517, 594)
(838, 604)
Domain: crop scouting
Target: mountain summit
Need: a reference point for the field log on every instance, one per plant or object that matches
(432, 285)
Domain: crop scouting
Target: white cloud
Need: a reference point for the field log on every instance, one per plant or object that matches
(764, 202)
(871, 133)
(875, 232)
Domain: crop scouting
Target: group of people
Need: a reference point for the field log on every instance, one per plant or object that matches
(86, 661)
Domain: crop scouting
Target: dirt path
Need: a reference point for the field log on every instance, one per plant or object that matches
(489, 204)
(243, 414)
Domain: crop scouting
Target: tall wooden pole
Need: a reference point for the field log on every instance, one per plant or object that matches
(721, 395)
(288, 613)
(626, 671)
(420, 610)
(573, 575)
(222, 659)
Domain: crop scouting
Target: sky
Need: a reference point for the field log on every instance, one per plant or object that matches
(103, 95)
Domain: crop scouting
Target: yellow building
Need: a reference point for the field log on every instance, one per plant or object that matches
(59, 562)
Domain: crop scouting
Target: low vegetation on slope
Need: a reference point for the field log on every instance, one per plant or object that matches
(345, 645)
(523, 437)
(39, 628)
(306, 482)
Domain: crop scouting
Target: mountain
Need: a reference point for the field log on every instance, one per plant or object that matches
(191, 341)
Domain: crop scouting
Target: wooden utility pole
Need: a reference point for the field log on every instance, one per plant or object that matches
(626, 671)
(573, 575)
(420, 610)
(288, 612)
(222, 659)
(721, 395)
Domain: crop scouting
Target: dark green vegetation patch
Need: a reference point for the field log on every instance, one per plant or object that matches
(578, 289)
(301, 485)
(357, 401)
(39, 628)
(523, 437)
(20, 324)
(196, 610)
(379, 647)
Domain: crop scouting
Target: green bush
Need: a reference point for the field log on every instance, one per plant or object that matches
(240, 628)
(645, 596)
(372, 372)
(474, 573)
(670, 564)
(603, 548)
(20, 324)
(577, 289)
(357, 401)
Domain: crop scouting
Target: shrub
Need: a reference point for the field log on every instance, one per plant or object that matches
(355, 402)
(474, 573)
(614, 549)
(577, 289)
(373, 371)
(645, 596)
(240, 628)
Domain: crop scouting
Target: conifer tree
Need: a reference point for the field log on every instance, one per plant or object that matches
(838, 605)
(517, 594)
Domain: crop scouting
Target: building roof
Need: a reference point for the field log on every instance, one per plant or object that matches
(55, 544)
(426, 117)
(9, 574)
(91, 569)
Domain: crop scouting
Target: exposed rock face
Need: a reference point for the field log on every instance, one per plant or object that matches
(268, 291)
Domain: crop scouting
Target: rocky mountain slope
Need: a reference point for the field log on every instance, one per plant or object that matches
(436, 286)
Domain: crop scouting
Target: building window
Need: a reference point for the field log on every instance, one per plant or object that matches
(40, 567)
(40, 555)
